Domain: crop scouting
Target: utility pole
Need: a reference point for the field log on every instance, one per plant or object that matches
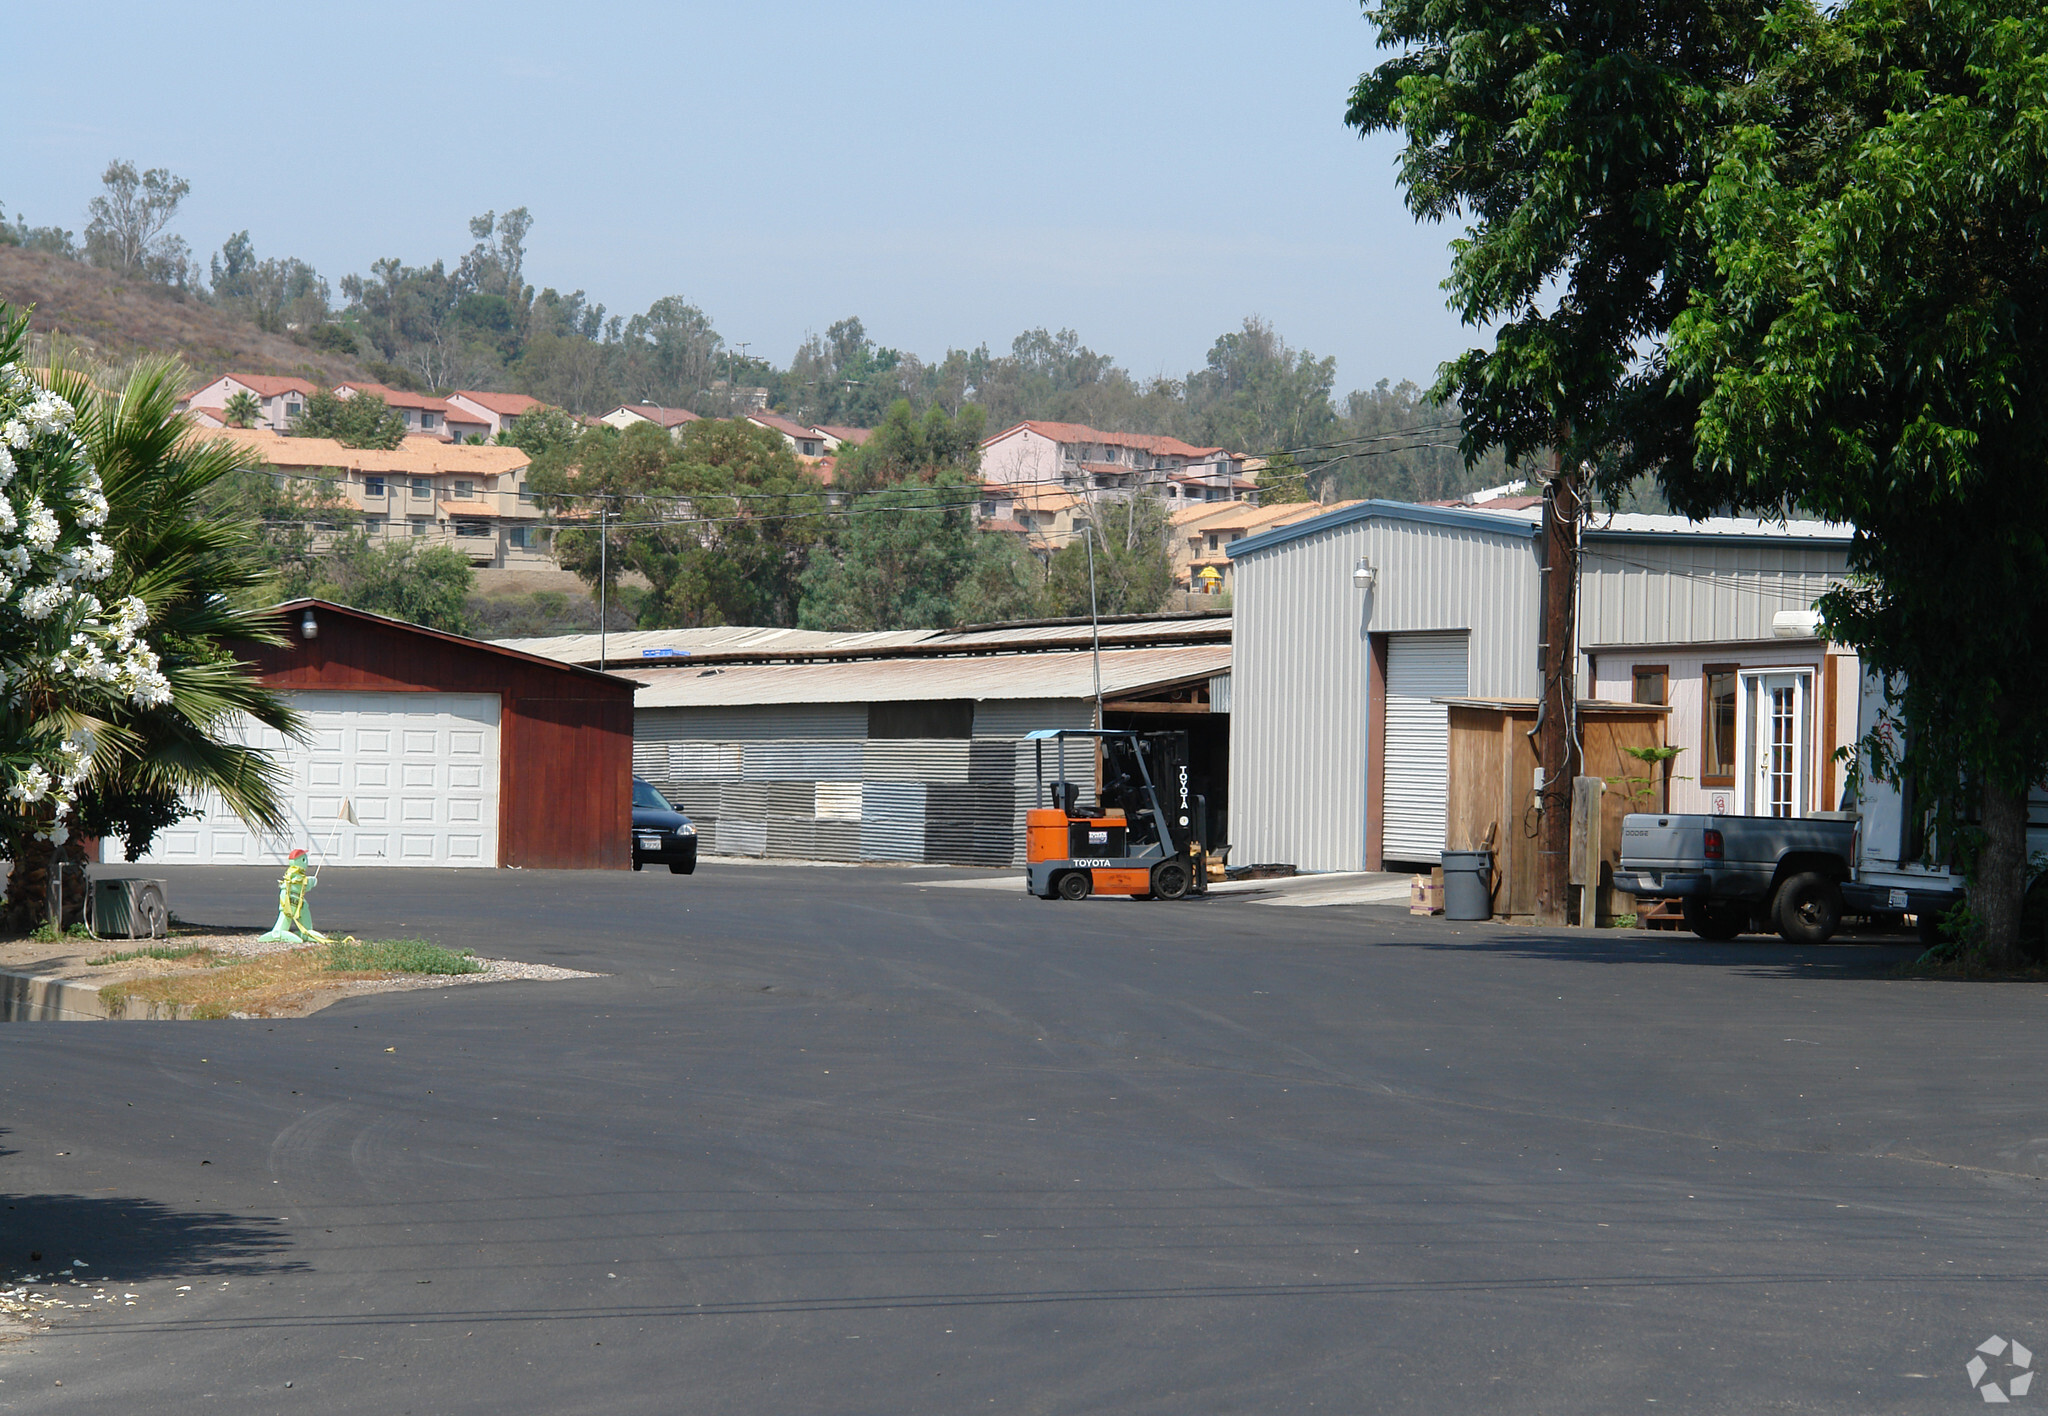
(1557, 747)
(604, 575)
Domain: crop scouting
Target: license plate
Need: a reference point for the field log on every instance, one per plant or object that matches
(650, 843)
(1897, 899)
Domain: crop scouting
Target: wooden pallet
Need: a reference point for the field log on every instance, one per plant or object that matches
(1660, 914)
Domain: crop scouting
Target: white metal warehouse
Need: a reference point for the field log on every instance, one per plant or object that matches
(1352, 628)
(904, 746)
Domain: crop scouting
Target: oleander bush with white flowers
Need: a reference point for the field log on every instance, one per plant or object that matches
(67, 655)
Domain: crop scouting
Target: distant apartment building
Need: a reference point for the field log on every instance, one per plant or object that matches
(426, 491)
(279, 400)
(673, 419)
(1200, 539)
(425, 416)
(1076, 457)
(498, 412)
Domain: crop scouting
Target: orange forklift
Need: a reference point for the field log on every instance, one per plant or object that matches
(1131, 842)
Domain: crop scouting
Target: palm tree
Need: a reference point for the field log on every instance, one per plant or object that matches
(242, 410)
(181, 549)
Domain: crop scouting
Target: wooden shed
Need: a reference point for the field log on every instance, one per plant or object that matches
(447, 751)
(1493, 802)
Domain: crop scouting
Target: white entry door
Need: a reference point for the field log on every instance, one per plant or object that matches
(1773, 743)
(420, 771)
(1421, 668)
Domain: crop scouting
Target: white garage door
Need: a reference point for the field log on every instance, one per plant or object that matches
(420, 770)
(1420, 667)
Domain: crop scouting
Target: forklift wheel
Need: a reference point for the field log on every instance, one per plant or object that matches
(1170, 879)
(1074, 885)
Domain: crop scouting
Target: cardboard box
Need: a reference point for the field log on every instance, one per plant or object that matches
(1425, 896)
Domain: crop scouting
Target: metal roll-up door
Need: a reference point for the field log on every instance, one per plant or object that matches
(1420, 669)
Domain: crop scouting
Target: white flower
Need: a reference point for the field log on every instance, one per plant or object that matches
(6, 465)
(15, 558)
(30, 786)
(151, 689)
(41, 601)
(14, 433)
(97, 560)
(58, 834)
(92, 507)
(50, 413)
(8, 520)
(42, 529)
(131, 615)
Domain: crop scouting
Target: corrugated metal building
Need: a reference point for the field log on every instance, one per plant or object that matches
(1338, 741)
(904, 747)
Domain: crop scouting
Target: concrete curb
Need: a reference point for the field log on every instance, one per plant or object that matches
(39, 998)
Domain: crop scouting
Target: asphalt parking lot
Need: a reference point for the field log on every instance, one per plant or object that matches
(848, 1141)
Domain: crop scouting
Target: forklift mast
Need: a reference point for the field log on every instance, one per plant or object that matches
(1141, 835)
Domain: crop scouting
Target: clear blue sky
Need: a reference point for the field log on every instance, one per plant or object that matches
(1145, 173)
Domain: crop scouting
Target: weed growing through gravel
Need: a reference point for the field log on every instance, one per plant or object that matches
(415, 956)
(154, 951)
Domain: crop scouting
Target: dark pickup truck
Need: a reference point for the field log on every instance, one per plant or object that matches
(1796, 875)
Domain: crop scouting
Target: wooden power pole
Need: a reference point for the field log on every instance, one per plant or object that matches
(1557, 750)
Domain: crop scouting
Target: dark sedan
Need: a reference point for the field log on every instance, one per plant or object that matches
(661, 833)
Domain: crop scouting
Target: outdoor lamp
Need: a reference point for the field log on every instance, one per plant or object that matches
(1364, 575)
(308, 628)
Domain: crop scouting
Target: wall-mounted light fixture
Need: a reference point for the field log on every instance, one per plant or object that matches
(1363, 575)
(309, 628)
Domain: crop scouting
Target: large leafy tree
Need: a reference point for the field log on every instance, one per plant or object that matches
(910, 556)
(1876, 349)
(720, 522)
(363, 420)
(1574, 139)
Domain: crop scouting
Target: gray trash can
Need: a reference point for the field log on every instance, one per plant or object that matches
(1468, 884)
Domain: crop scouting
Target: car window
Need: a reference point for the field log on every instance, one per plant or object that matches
(644, 795)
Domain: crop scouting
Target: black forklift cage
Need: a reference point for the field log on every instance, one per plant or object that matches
(1038, 738)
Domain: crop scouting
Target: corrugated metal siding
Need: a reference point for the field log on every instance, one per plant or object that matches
(1300, 667)
(1696, 592)
(892, 821)
(956, 801)
(1219, 694)
(1420, 669)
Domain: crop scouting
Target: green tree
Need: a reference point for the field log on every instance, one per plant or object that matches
(1576, 143)
(197, 575)
(1282, 480)
(1876, 351)
(126, 230)
(361, 420)
(1258, 395)
(721, 523)
(906, 446)
(242, 410)
(428, 586)
(543, 429)
(909, 556)
(1133, 566)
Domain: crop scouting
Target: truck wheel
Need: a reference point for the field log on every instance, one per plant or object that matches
(1809, 909)
(1074, 885)
(1170, 879)
(1716, 922)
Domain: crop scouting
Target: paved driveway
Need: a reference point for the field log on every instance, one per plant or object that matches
(826, 1141)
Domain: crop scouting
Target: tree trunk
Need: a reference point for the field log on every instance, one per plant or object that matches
(1998, 889)
(28, 884)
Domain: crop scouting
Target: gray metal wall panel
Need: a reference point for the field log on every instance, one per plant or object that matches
(793, 799)
(703, 761)
(1299, 670)
(780, 720)
(697, 800)
(788, 760)
(915, 760)
(1219, 694)
(791, 837)
(742, 838)
(742, 801)
(836, 840)
(1696, 592)
(970, 825)
(892, 821)
(1015, 717)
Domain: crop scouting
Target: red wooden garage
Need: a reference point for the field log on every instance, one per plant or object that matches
(447, 751)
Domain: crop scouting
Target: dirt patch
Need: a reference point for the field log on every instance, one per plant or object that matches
(213, 974)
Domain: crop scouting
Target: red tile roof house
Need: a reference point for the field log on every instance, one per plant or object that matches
(803, 440)
(425, 416)
(280, 400)
(1077, 457)
(500, 412)
(627, 414)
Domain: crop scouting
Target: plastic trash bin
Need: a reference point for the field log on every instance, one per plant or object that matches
(1468, 884)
